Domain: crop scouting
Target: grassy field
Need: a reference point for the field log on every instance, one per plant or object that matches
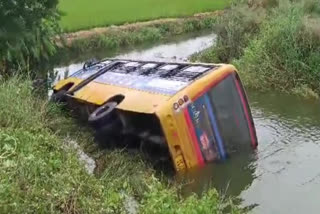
(84, 14)
(40, 173)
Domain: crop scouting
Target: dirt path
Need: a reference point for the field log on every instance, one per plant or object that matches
(84, 34)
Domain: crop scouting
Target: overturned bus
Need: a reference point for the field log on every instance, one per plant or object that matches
(198, 113)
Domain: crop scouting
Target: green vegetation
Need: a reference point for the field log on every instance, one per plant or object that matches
(115, 38)
(85, 14)
(40, 173)
(26, 31)
(274, 43)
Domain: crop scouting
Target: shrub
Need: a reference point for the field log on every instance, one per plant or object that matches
(26, 31)
(274, 43)
(235, 28)
(285, 54)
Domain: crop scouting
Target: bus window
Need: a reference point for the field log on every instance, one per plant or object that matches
(203, 131)
(220, 121)
(233, 117)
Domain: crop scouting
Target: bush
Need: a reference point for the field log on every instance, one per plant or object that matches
(26, 31)
(285, 54)
(235, 28)
(274, 44)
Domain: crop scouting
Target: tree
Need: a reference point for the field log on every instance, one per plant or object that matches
(27, 31)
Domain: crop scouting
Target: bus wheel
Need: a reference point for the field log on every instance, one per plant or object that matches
(103, 115)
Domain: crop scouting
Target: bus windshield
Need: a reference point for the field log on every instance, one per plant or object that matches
(222, 121)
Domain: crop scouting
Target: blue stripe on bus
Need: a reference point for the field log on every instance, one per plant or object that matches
(215, 127)
(198, 130)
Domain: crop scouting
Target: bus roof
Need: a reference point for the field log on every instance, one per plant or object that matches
(153, 77)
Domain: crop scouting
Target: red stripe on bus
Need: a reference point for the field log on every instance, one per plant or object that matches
(193, 137)
(244, 104)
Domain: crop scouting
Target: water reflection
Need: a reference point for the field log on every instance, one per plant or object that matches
(229, 178)
(173, 52)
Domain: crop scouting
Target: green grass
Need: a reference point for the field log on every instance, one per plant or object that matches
(41, 174)
(84, 14)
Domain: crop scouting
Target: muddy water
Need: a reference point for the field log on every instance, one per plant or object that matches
(287, 172)
(283, 175)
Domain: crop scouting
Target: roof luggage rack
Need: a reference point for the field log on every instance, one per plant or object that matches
(131, 73)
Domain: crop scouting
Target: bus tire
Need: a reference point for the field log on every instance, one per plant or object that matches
(103, 115)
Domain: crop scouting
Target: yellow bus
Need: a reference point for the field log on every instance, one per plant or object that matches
(198, 113)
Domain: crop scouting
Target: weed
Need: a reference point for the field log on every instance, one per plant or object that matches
(235, 28)
(285, 54)
(274, 44)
